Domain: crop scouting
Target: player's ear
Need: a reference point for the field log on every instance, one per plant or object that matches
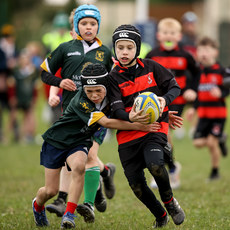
(157, 35)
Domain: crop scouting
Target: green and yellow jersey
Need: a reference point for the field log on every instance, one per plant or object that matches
(73, 57)
(78, 123)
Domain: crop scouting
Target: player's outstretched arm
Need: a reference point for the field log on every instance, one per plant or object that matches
(125, 125)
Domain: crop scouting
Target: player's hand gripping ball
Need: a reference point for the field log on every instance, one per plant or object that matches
(150, 104)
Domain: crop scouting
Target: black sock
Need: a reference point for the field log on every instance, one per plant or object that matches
(171, 163)
(214, 171)
(63, 195)
(105, 171)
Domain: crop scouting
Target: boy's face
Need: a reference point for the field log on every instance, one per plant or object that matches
(96, 94)
(169, 37)
(88, 28)
(206, 55)
(125, 52)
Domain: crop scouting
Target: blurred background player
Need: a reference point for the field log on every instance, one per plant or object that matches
(26, 75)
(8, 46)
(51, 40)
(210, 104)
(189, 22)
(177, 61)
(85, 48)
(3, 91)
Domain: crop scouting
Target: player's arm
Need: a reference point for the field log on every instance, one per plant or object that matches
(125, 125)
(54, 99)
(51, 79)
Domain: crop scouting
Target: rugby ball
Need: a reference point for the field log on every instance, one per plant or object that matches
(150, 104)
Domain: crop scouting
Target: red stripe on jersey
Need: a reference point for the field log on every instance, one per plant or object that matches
(178, 63)
(141, 83)
(212, 112)
(181, 81)
(179, 101)
(214, 78)
(206, 96)
(127, 136)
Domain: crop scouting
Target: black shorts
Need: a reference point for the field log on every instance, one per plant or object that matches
(209, 126)
(137, 157)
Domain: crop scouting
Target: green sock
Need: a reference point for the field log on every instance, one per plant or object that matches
(92, 177)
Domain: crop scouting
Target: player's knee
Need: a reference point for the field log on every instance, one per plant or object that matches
(51, 192)
(137, 189)
(155, 169)
(92, 160)
(198, 143)
(78, 169)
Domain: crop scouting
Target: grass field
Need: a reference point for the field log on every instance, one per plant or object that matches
(207, 205)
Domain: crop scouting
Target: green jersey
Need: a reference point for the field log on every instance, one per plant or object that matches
(73, 57)
(78, 123)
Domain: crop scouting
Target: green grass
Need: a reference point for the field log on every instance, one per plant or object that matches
(206, 204)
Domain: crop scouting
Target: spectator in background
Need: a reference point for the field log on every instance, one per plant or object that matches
(189, 30)
(26, 75)
(59, 34)
(8, 46)
(3, 91)
(51, 41)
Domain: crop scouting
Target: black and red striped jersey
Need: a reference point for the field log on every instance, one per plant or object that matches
(208, 106)
(181, 64)
(125, 86)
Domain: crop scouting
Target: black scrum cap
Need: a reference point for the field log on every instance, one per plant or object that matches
(127, 32)
(94, 75)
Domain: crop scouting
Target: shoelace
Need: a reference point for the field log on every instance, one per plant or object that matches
(69, 214)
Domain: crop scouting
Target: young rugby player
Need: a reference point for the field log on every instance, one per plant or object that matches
(180, 63)
(82, 117)
(138, 150)
(72, 57)
(210, 105)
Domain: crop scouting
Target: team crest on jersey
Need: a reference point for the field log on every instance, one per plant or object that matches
(216, 129)
(86, 64)
(100, 55)
(149, 79)
(85, 105)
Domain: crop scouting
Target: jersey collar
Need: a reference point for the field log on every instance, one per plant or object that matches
(97, 39)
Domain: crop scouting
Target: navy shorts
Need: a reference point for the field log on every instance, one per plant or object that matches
(54, 158)
(209, 126)
(99, 135)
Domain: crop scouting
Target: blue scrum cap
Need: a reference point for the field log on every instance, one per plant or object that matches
(85, 11)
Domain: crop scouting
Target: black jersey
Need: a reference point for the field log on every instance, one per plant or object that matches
(208, 106)
(126, 86)
(178, 61)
